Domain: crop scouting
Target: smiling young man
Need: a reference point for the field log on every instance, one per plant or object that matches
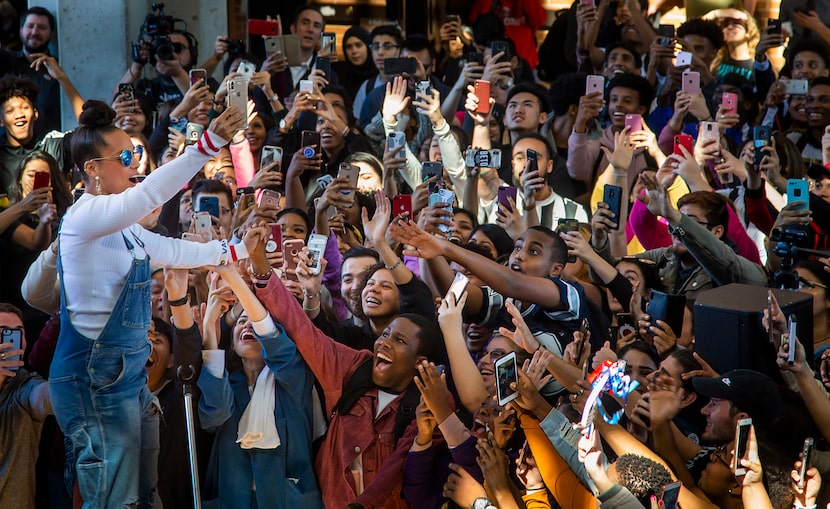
(367, 394)
(387, 42)
(17, 100)
(552, 308)
(818, 118)
(625, 94)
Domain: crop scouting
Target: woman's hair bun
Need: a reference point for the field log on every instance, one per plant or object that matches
(96, 114)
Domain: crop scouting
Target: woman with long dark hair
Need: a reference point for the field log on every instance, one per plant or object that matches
(98, 380)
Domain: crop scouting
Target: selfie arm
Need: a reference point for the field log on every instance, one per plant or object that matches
(722, 263)
(506, 281)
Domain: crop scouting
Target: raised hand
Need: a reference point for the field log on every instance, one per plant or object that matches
(376, 227)
(228, 123)
(522, 335)
(623, 152)
(422, 244)
(396, 99)
(434, 392)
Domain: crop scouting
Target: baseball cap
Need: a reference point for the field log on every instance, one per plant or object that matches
(750, 391)
(818, 172)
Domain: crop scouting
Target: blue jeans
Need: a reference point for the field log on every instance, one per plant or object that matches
(102, 403)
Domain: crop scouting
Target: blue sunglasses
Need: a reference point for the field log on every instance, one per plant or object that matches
(126, 156)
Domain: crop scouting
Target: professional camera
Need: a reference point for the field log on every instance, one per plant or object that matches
(154, 38)
(789, 238)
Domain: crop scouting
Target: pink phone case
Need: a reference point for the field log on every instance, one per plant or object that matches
(729, 102)
(691, 83)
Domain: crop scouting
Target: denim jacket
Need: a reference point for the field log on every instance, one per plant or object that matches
(283, 477)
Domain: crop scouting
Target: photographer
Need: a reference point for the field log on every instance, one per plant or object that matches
(172, 51)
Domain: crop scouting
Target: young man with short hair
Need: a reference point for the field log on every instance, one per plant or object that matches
(387, 42)
(540, 202)
(818, 118)
(552, 308)
(625, 94)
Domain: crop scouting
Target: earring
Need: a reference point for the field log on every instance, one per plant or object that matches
(97, 185)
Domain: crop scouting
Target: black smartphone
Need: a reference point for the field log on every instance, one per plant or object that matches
(774, 26)
(431, 169)
(473, 56)
(393, 66)
(741, 442)
(501, 47)
(565, 225)
(612, 196)
(324, 64)
(310, 141)
(666, 33)
(670, 494)
(667, 308)
(533, 158)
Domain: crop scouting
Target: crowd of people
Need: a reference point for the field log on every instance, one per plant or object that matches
(401, 276)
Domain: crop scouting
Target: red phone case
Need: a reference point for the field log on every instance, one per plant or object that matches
(263, 27)
(276, 235)
(42, 179)
(401, 204)
(684, 140)
(482, 89)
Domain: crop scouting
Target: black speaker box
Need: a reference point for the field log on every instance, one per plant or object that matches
(729, 333)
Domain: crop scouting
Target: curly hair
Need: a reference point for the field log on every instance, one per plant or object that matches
(18, 86)
(642, 476)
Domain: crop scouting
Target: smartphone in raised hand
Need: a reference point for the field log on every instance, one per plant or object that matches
(741, 443)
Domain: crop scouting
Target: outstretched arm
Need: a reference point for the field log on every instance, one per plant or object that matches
(502, 279)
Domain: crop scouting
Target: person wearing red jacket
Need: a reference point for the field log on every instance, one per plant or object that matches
(522, 18)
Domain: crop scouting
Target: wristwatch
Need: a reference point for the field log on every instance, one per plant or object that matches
(482, 503)
(284, 126)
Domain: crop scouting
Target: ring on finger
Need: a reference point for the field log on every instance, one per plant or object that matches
(3, 356)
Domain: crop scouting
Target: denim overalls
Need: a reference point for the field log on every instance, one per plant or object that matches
(102, 402)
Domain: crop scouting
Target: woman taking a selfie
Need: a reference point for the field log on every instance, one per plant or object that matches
(98, 381)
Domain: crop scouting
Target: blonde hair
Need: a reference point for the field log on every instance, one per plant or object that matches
(753, 36)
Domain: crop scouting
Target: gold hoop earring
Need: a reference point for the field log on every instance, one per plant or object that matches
(98, 185)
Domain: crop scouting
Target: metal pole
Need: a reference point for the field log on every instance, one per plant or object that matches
(185, 374)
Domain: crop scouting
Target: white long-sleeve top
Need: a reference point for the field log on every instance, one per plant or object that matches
(41, 287)
(451, 158)
(95, 258)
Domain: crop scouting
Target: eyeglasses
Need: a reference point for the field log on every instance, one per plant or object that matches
(806, 283)
(495, 354)
(386, 46)
(179, 47)
(126, 156)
